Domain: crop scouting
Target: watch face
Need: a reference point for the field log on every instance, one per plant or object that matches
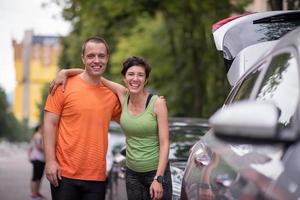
(159, 179)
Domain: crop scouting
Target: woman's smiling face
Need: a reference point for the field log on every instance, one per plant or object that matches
(135, 79)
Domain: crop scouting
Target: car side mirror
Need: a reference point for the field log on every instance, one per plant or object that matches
(246, 120)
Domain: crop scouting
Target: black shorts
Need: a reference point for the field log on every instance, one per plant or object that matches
(74, 189)
(38, 170)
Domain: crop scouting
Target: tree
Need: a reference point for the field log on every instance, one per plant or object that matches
(11, 128)
(278, 4)
(3, 113)
(174, 36)
(41, 105)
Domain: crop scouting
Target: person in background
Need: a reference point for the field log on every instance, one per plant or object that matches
(76, 126)
(37, 158)
(144, 119)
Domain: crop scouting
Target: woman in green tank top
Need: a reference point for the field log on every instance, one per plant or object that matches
(144, 119)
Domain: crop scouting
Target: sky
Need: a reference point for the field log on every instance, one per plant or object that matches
(16, 16)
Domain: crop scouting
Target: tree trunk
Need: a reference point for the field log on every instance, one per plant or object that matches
(293, 4)
(276, 4)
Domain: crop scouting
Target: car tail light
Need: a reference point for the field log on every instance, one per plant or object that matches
(225, 21)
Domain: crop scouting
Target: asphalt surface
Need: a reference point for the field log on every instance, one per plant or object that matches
(15, 173)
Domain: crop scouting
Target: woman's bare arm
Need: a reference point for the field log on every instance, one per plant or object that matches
(61, 78)
(161, 111)
(117, 88)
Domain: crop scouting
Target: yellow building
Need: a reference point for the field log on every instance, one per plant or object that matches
(36, 64)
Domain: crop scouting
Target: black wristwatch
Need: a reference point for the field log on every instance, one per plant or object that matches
(159, 179)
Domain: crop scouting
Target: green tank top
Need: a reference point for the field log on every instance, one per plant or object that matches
(142, 142)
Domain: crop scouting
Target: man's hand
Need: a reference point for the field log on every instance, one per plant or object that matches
(156, 190)
(60, 79)
(53, 173)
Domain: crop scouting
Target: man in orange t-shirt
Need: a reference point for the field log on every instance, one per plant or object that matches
(76, 129)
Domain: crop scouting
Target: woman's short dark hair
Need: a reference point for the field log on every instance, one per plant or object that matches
(136, 61)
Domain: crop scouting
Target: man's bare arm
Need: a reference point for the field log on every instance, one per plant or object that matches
(49, 134)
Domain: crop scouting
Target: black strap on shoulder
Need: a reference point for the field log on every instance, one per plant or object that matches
(148, 99)
(147, 102)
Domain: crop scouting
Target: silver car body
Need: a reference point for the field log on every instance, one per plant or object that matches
(264, 168)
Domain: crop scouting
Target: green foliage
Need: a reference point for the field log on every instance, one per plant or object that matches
(3, 113)
(10, 128)
(173, 36)
(41, 105)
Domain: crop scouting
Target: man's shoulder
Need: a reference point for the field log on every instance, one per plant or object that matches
(74, 78)
(109, 92)
(107, 89)
(72, 82)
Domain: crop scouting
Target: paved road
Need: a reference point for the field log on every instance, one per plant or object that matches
(15, 173)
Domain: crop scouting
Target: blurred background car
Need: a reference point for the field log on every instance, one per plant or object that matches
(183, 134)
(116, 140)
(218, 169)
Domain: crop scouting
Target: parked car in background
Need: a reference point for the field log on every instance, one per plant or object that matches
(116, 140)
(183, 134)
(261, 166)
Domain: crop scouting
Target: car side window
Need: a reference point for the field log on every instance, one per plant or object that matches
(245, 89)
(280, 85)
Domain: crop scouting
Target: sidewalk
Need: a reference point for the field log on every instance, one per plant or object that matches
(15, 173)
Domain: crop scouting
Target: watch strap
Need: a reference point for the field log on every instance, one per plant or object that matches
(158, 179)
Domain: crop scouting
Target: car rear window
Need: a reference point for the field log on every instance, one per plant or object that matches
(262, 30)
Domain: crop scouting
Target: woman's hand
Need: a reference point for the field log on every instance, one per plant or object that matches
(60, 79)
(156, 190)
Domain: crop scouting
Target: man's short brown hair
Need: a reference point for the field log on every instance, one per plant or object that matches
(94, 39)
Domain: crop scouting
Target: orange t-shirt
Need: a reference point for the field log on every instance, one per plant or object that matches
(85, 112)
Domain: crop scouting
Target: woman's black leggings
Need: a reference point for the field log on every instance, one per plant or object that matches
(138, 184)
